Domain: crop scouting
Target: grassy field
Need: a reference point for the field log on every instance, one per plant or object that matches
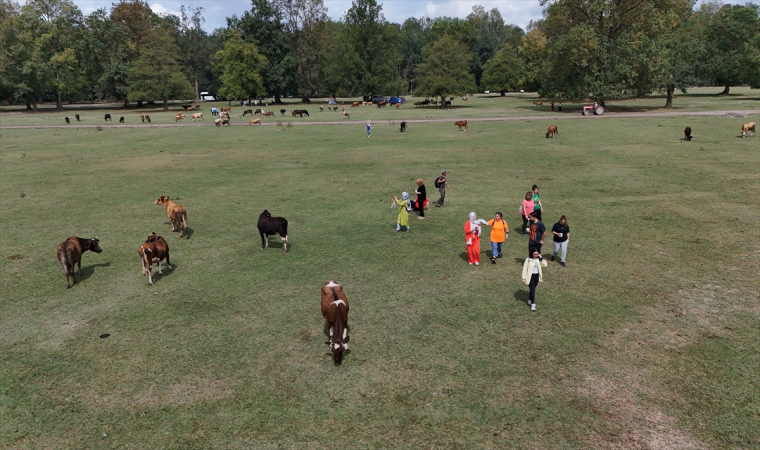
(481, 105)
(648, 339)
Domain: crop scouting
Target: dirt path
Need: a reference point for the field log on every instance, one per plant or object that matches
(273, 122)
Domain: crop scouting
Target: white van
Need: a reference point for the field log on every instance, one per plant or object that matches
(206, 97)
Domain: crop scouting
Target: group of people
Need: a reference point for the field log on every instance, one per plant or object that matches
(421, 203)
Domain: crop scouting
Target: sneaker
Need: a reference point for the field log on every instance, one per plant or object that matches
(493, 260)
(533, 307)
(524, 234)
(563, 264)
(477, 263)
(421, 217)
(470, 263)
(552, 257)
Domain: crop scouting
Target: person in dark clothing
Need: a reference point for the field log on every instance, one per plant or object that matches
(421, 198)
(536, 236)
(561, 232)
(441, 184)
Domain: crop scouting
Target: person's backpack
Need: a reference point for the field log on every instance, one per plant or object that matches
(438, 182)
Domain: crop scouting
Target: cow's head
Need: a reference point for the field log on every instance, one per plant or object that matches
(337, 347)
(95, 245)
(162, 200)
(152, 238)
(266, 213)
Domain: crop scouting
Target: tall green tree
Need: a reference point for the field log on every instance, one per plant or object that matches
(504, 71)
(533, 51)
(196, 47)
(158, 74)
(734, 45)
(412, 38)
(240, 64)
(445, 69)
(490, 35)
(305, 22)
(341, 62)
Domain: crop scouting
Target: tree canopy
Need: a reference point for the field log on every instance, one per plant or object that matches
(444, 69)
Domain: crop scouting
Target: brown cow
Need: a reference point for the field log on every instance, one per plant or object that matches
(267, 113)
(196, 116)
(747, 127)
(147, 118)
(380, 104)
(417, 103)
(460, 124)
(188, 108)
(226, 121)
(76, 116)
(142, 118)
(226, 109)
(70, 253)
(538, 103)
(152, 251)
(247, 111)
(334, 305)
(687, 134)
(254, 122)
(346, 114)
(552, 131)
(178, 117)
(355, 104)
(177, 215)
(398, 105)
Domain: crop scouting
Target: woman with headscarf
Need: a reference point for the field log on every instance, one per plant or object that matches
(403, 214)
(472, 230)
(422, 200)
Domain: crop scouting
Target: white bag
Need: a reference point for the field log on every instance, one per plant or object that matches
(521, 210)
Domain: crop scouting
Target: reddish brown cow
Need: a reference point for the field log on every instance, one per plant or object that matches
(267, 113)
(70, 253)
(177, 215)
(552, 131)
(147, 118)
(226, 109)
(355, 104)
(335, 311)
(154, 250)
(538, 103)
(460, 124)
(178, 117)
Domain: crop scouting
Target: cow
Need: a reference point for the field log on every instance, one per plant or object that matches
(300, 112)
(464, 99)
(283, 111)
(70, 253)
(142, 118)
(552, 131)
(121, 119)
(218, 122)
(147, 118)
(425, 102)
(321, 109)
(417, 103)
(247, 111)
(177, 215)
(398, 105)
(178, 117)
(687, 134)
(403, 126)
(538, 103)
(254, 122)
(460, 124)
(224, 114)
(445, 102)
(346, 114)
(334, 305)
(380, 104)
(267, 113)
(108, 117)
(226, 121)
(747, 127)
(76, 116)
(355, 104)
(188, 108)
(433, 102)
(226, 109)
(152, 251)
(67, 120)
(366, 103)
(269, 226)
(196, 116)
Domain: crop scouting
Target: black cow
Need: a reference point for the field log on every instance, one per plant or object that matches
(247, 111)
(269, 226)
(300, 112)
(403, 126)
(70, 253)
(67, 120)
(283, 111)
(121, 119)
(687, 134)
(77, 117)
(108, 117)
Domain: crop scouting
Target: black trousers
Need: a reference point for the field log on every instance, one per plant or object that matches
(532, 285)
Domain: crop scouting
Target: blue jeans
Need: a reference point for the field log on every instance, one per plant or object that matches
(496, 249)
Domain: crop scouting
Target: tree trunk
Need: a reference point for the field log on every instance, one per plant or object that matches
(601, 102)
(669, 101)
(197, 92)
(34, 106)
(277, 100)
(28, 106)
(725, 91)
(305, 99)
(139, 104)
(503, 92)
(58, 102)
(166, 104)
(126, 103)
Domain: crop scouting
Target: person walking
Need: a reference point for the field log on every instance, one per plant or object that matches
(369, 130)
(421, 198)
(561, 232)
(559, 106)
(531, 275)
(440, 183)
(525, 209)
(537, 206)
(403, 213)
(552, 106)
(472, 230)
(537, 235)
(499, 234)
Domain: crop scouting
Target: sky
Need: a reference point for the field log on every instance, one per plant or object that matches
(514, 12)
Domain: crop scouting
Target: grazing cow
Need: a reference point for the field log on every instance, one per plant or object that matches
(445, 102)
(747, 127)
(355, 104)
(321, 109)
(346, 114)
(267, 113)
(226, 121)
(247, 111)
(366, 103)
(147, 118)
(552, 131)
(177, 215)
(425, 102)
(398, 105)
(417, 103)
(403, 126)
(108, 117)
(196, 116)
(224, 114)
(142, 118)
(67, 120)
(188, 108)
(283, 111)
(254, 122)
(269, 226)
(300, 112)
(70, 253)
(433, 102)
(152, 251)
(218, 122)
(538, 103)
(464, 99)
(687, 134)
(121, 119)
(334, 306)
(178, 117)
(460, 124)
(380, 104)
(226, 109)
(76, 116)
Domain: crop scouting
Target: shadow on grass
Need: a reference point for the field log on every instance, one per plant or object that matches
(521, 296)
(464, 257)
(87, 271)
(190, 231)
(166, 272)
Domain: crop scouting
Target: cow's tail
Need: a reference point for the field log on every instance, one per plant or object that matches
(184, 221)
(67, 261)
(144, 260)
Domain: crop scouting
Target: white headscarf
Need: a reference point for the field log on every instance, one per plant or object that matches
(474, 224)
(405, 195)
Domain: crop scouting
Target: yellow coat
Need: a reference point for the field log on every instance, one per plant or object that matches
(403, 214)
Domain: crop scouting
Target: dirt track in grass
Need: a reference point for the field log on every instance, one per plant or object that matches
(273, 122)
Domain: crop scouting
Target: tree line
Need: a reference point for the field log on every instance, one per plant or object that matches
(602, 49)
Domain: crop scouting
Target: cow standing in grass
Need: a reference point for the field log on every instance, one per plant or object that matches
(334, 305)
(70, 253)
(269, 226)
(154, 250)
(177, 215)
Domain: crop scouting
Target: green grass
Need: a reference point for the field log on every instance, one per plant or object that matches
(647, 338)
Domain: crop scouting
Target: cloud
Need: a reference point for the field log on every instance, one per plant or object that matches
(161, 10)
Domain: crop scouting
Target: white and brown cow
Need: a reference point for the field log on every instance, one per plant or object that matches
(154, 250)
(70, 253)
(177, 215)
(269, 226)
(335, 311)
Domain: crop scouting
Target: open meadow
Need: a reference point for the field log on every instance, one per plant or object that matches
(647, 339)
